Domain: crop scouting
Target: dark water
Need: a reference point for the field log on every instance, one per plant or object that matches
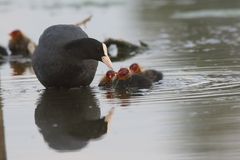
(194, 113)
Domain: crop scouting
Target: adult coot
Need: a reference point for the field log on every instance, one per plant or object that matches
(20, 44)
(66, 57)
(125, 80)
(152, 74)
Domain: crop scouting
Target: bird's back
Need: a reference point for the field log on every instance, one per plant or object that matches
(59, 35)
(153, 75)
(135, 81)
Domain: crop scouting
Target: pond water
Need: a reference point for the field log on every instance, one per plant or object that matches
(193, 113)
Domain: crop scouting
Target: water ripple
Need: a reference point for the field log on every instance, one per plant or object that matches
(218, 13)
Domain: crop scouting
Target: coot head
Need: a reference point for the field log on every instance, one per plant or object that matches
(93, 49)
(135, 68)
(123, 74)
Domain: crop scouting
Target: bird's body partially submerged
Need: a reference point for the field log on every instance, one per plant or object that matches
(108, 79)
(151, 74)
(125, 80)
(66, 57)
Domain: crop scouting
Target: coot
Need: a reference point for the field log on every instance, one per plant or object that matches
(107, 80)
(66, 57)
(125, 80)
(153, 75)
(19, 44)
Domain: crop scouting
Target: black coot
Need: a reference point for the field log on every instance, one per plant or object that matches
(66, 57)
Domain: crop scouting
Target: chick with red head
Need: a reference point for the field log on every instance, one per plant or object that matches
(107, 80)
(19, 44)
(151, 74)
(126, 80)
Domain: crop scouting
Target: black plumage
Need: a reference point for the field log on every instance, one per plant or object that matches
(66, 57)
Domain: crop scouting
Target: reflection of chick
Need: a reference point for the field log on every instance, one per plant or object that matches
(107, 80)
(19, 68)
(19, 44)
(125, 80)
(123, 95)
(153, 75)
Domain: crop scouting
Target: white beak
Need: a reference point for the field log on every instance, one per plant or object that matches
(106, 60)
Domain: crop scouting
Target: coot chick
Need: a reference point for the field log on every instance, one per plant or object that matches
(107, 80)
(19, 44)
(65, 57)
(125, 80)
(151, 74)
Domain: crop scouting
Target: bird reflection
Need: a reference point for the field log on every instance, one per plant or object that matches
(68, 119)
(123, 96)
(19, 68)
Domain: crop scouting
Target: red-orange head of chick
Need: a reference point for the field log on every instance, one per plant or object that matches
(110, 75)
(16, 34)
(135, 68)
(123, 74)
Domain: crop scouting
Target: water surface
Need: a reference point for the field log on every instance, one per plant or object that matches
(192, 114)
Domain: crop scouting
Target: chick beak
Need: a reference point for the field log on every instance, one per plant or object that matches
(106, 60)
